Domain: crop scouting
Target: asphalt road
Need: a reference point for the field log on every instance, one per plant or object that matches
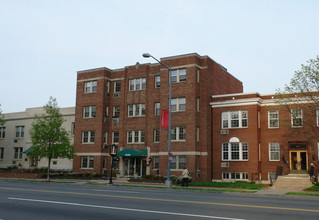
(45, 201)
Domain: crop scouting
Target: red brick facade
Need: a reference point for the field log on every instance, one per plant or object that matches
(274, 146)
(204, 78)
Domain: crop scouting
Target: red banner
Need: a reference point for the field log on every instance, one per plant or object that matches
(164, 119)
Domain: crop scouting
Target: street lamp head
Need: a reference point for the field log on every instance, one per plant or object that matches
(146, 55)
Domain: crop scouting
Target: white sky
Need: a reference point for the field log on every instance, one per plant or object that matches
(43, 43)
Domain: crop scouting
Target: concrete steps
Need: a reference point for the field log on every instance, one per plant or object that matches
(291, 183)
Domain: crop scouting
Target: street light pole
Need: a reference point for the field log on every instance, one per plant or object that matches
(168, 182)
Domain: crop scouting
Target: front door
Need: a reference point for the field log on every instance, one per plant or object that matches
(134, 166)
(298, 161)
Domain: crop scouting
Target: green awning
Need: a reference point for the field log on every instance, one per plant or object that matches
(29, 150)
(132, 153)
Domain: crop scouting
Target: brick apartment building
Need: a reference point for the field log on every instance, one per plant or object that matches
(123, 107)
(254, 136)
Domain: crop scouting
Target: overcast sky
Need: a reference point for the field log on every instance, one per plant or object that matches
(44, 43)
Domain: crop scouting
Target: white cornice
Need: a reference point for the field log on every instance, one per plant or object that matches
(237, 102)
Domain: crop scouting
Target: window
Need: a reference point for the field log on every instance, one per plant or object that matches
(87, 162)
(72, 128)
(88, 137)
(178, 104)
(178, 75)
(115, 137)
(134, 137)
(157, 81)
(89, 111)
(198, 74)
(137, 84)
(156, 136)
(273, 119)
(178, 162)
(234, 119)
(155, 162)
(1, 152)
(90, 86)
(116, 111)
(178, 134)
(317, 116)
(2, 132)
(197, 105)
(106, 111)
(117, 86)
(107, 88)
(197, 134)
(136, 110)
(235, 151)
(19, 131)
(296, 117)
(274, 152)
(18, 152)
(157, 108)
(105, 137)
(235, 176)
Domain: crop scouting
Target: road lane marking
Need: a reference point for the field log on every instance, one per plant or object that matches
(164, 200)
(125, 209)
(102, 190)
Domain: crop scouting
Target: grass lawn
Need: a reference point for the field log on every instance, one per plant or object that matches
(238, 184)
(313, 189)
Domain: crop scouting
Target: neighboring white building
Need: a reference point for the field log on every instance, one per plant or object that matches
(15, 139)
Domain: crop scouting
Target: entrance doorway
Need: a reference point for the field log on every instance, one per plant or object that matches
(298, 161)
(134, 166)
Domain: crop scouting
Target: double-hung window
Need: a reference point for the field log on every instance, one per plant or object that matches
(156, 136)
(87, 162)
(18, 152)
(157, 108)
(89, 111)
(88, 137)
(178, 162)
(274, 151)
(273, 119)
(317, 117)
(178, 75)
(19, 131)
(157, 81)
(178, 134)
(235, 151)
(155, 162)
(296, 117)
(234, 119)
(2, 132)
(115, 137)
(135, 137)
(136, 110)
(117, 86)
(116, 111)
(178, 104)
(137, 84)
(90, 86)
(1, 152)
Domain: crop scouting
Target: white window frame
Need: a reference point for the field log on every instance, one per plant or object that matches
(177, 161)
(274, 149)
(137, 110)
(273, 118)
(157, 111)
(105, 137)
(179, 131)
(139, 81)
(156, 134)
(197, 105)
(19, 131)
(229, 151)
(107, 87)
(18, 153)
(155, 162)
(117, 86)
(197, 134)
(176, 102)
(90, 86)
(91, 113)
(139, 134)
(116, 111)
(198, 75)
(88, 160)
(296, 116)
(157, 81)
(178, 75)
(227, 117)
(2, 132)
(90, 137)
(107, 111)
(114, 137)
(317, 117)
(233, 175)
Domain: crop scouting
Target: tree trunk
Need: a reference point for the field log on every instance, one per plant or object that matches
(49, 162)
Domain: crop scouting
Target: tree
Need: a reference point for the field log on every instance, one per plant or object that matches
(49, 139)
(303, 90)
(2, 121)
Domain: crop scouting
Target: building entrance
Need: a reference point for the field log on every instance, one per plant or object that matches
(298, 161)
(134, 166)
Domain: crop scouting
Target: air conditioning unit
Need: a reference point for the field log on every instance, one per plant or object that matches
(116, 95)
(224, 131)
(224, 164)
(115, 120)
